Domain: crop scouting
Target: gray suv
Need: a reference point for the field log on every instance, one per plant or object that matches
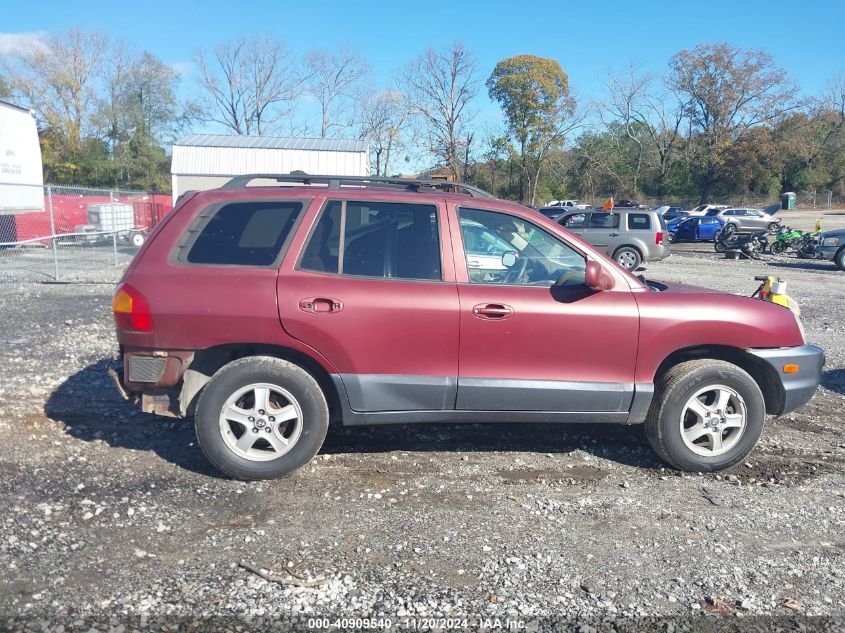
(747, 219)
(832, 246)
(630, 236)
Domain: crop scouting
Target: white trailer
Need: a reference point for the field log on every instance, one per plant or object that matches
(21, 172)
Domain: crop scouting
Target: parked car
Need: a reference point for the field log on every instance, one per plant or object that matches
(832, 246)
(568, 204)
(747, 219)
(671, 212)
(694, 229)
(266, 311)
(702, 209)
(629, 236)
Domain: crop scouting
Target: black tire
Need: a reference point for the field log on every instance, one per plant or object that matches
(839, 258)
(777, 248)
(719, 246)
(628, 257)
(252, 370)
(676, 388)
(729, 229)
(673, 237)
(773, 228)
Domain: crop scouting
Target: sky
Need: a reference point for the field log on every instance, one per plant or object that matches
(588, 39)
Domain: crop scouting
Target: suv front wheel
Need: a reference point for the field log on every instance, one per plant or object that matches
(261, 418)
(707, 415)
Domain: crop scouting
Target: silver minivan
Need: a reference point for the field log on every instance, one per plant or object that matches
(630, 236)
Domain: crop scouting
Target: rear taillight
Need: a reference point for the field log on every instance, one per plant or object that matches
(131, 310)
(658, 238)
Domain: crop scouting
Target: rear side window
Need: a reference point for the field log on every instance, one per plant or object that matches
(375, 239)
(245, 234)
(639, 221)
(604, 220)
(574, 221)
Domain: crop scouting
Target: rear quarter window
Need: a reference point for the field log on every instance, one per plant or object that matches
(241, 233)
(639, 222)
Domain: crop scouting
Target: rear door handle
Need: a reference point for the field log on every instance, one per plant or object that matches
(613, 234)
(494, 311)
(321, 305)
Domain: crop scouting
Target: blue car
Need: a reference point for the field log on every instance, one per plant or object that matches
(693, 229)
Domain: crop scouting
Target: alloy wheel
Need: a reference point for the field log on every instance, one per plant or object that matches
(261, 422)
(713, 420)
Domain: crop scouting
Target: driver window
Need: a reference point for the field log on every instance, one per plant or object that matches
(504, 249)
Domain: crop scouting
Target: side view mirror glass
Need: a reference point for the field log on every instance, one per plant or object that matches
(508, 259)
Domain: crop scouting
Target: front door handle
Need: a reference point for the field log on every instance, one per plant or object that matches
(613, 234)
(494, 311)
(321, 305)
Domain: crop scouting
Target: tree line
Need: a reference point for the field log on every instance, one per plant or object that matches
(719, 122)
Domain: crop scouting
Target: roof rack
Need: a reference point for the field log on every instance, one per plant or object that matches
(337, 182)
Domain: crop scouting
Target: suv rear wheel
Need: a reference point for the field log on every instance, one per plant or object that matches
(628, 257)
(261, 418)
(707, 415)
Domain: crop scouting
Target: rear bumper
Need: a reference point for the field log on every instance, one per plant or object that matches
(656, 253)
(798, 387)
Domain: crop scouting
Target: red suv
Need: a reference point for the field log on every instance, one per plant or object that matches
(265, 311)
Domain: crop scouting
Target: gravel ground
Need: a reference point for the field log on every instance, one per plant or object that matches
(112, 519)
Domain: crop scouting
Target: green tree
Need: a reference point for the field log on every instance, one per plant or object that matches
(58, 80)
(728, 92)
(533, 93)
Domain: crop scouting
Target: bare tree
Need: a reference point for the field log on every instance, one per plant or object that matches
(333, 76)
(651, 117)
(57, 80)
(252, 83)
(439, 86)
(728, 91)
(626, 93)
(383, 119)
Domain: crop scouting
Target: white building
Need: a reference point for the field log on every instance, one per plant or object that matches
(207, 161)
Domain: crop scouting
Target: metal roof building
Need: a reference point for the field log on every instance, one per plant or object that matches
(207, 161)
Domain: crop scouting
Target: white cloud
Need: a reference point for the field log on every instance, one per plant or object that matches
(183, 69)
(11, 43)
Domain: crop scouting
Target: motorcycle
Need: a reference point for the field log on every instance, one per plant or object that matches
(808, 246)
(751, 245)
(786, 240)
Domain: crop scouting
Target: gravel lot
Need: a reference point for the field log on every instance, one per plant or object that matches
(113, 520)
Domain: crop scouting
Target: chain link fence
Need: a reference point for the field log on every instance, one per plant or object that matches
(64, 233)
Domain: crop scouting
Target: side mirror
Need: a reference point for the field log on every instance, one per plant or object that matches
(596, 278)
(508, 259)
